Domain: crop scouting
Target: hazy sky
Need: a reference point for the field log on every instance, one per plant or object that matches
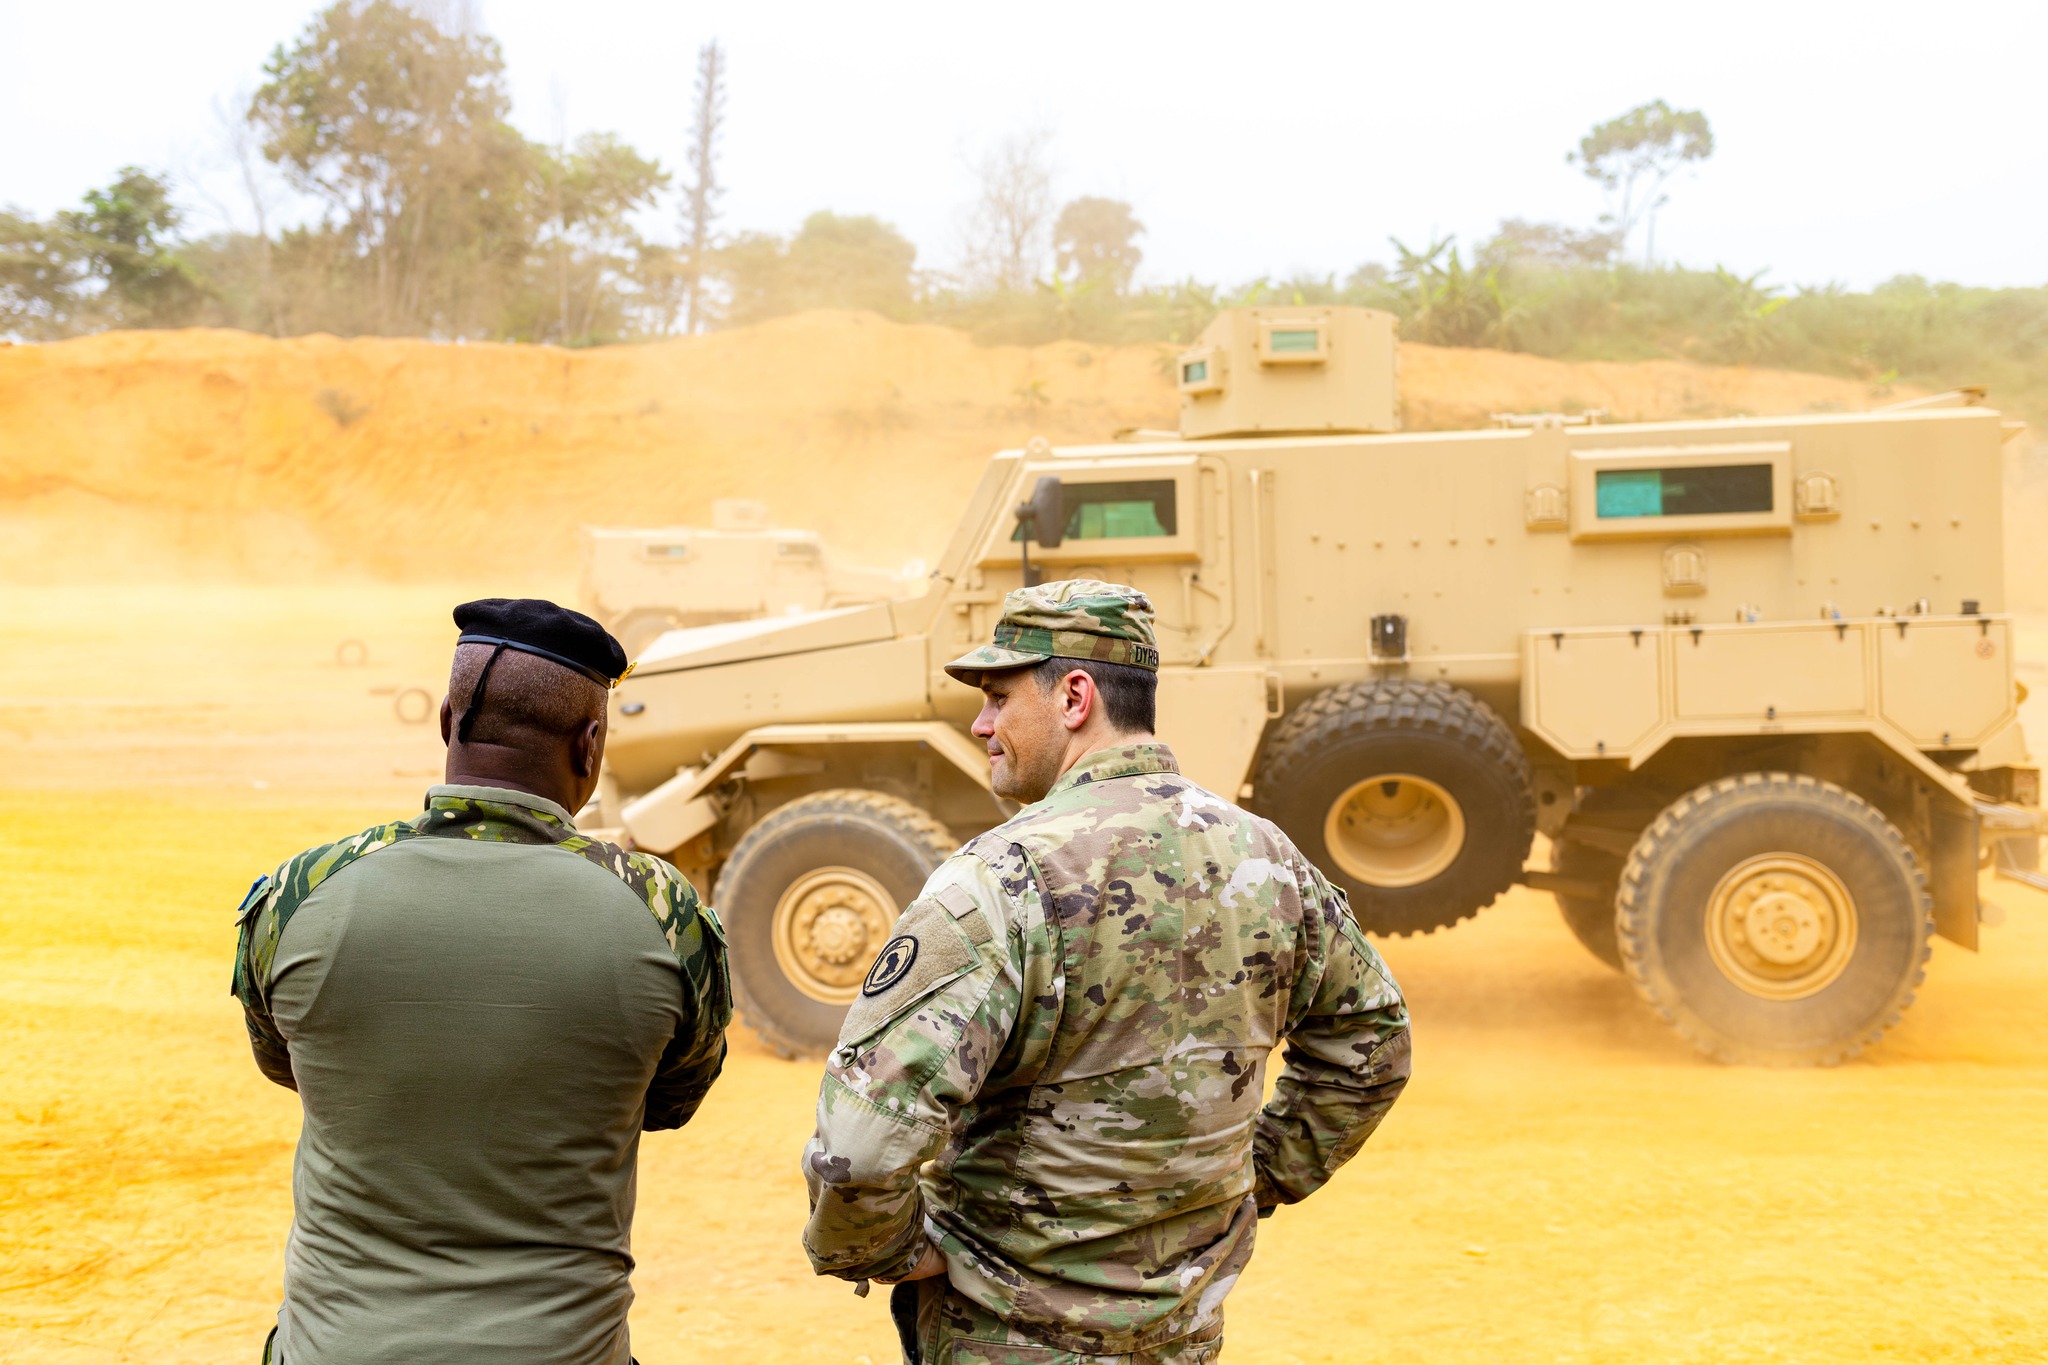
(1854, 141)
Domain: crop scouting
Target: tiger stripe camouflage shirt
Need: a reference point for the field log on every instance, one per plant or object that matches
(481, 1011)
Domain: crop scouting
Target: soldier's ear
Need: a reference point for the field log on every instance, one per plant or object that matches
(447, 722)
(1079, 699)
(586, 748)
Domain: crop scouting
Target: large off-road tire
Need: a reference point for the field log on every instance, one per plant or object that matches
(1413, 796)
(1775, 919)
(1590, 850)
(808, 898)
(1591, 917)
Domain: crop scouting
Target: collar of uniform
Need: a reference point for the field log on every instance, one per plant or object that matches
(471, 810)
(1125, 760)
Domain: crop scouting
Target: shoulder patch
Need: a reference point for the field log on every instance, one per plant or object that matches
(252, 902)
(926, 951)
(892, 964)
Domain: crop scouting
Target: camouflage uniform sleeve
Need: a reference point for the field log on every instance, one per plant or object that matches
(1347, 1053)
(260, 923)
(256, 931)
(696, 1054)
(934, 1015)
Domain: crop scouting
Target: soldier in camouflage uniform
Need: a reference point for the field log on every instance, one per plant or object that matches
(480, 1009)
(1072, 1025)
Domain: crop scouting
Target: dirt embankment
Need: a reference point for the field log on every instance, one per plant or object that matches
(225, 455)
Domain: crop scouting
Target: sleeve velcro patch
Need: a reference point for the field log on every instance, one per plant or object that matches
(966, 913)
(925, 951)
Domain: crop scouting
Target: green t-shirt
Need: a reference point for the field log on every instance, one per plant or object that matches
(480, 1016)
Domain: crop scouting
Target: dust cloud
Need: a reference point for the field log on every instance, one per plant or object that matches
(226, 456)
(223, 604)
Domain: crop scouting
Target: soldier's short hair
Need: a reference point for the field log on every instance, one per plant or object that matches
(1130, 695)
(528, 698)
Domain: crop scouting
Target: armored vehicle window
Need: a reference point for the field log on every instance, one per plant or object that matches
(1683, 492)
(1134, 509)
(1115, 511)
(1194, 372)
(1294, 339)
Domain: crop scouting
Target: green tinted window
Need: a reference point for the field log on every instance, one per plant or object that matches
(1703, 490)
(1194, 372)
(1125, 510)
(1293, 340)
(1114, 520)
(1629, 492)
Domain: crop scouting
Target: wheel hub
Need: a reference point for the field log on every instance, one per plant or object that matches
(828, 927)
(1394, 829)
(1781, 926)
(837, 935)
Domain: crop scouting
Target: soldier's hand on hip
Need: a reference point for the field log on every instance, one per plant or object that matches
(930, 1264)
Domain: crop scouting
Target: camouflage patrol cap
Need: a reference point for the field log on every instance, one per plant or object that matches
(1074, 618)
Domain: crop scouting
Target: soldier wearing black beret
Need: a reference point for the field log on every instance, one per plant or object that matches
(481, 1010)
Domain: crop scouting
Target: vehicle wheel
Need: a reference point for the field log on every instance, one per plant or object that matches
(1414, 797)
(1590, 918)
(638, 629)
(808, 898)
(1592, 846)
(1775, 919)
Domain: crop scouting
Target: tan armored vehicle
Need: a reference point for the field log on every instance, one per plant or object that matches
(643, 581)
(1750, 677)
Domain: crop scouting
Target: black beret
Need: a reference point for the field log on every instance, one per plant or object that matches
(556, 634)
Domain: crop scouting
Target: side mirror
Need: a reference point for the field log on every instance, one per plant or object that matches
(1045, 515)
(1043, 519)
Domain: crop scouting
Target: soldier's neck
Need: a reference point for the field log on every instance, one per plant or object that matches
(493, 765)
(1094, 739)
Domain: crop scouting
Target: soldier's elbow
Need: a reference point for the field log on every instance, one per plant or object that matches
(855, 1169)
(277, 1072)
(1393, 1062)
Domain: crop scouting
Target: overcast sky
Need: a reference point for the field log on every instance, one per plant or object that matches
(1853, 141)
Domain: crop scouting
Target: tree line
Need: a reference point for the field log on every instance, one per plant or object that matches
(438, 218)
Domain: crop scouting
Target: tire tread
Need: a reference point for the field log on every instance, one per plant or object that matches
(910, 822)
(1635, 920)
(1382, 705)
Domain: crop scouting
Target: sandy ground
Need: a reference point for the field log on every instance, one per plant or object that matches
(1564, 1181)
(319, 690)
